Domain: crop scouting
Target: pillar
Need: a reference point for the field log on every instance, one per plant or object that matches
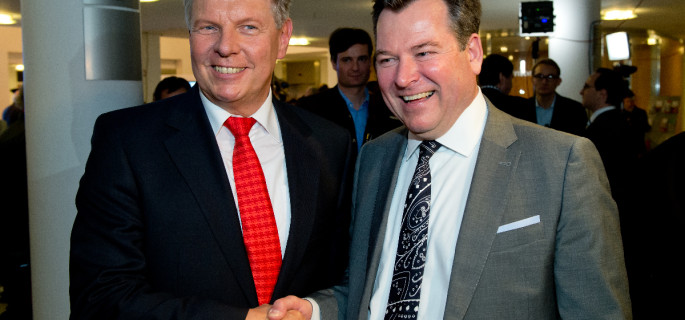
(82, 58)
(571, 45)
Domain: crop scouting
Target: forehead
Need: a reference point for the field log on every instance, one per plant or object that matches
(419, 21)
(545, 69)
(231, 8)
(592, 78)
(355, 50)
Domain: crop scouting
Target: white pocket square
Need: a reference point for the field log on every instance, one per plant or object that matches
(519, 224)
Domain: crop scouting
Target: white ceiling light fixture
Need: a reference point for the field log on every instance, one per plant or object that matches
(619, 15)
(6, 19)
(295, 41)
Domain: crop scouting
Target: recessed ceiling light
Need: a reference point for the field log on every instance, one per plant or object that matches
(6, 19)
(619, 15)
(294, 41)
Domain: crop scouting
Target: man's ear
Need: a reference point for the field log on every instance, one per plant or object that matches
(475, 49)
(603, 95)
(502, 78)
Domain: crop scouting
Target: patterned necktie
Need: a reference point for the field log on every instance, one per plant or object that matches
(405, 289)
(260, 233)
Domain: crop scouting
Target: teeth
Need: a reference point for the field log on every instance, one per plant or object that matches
(418, 96)
(225, 70)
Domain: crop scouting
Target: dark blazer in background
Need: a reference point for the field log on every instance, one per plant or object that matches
(570, 264)
(157, 235)
(568, 115)
(514, 106)
(330, 105)
(610, 134)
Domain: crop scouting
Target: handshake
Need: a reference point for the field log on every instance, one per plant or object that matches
(287, 308)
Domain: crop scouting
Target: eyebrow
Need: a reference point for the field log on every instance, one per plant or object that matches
(413, 48)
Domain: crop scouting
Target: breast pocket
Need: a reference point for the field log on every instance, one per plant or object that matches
(518, 233)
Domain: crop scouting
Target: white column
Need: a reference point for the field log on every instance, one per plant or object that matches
(61, 107)
(570, 44)
(151, 64)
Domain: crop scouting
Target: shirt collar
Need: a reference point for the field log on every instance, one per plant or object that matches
(265, 116)
(465, 134)
(600, 111)
(349, 104)
(537, 105)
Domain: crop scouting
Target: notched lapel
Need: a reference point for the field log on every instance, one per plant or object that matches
(194, 150)
(485, 207)
(303, 183)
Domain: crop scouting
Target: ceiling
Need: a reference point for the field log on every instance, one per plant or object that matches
(316, 19)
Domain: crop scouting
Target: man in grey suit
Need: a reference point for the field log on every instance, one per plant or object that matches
(517, 221)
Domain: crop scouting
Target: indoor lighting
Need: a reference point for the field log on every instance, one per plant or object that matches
(19, 67)
(6, 19)
(294, 41)
(522, 67)
(619, 15)
(149, 0)
(503, 49)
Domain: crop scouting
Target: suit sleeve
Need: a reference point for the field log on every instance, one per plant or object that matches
(589, 267)
(108, 277)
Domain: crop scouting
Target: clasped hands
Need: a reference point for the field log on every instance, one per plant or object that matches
(287, 308)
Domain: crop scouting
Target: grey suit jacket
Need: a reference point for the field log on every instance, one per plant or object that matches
(569, 265)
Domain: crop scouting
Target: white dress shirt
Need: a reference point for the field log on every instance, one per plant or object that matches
(265, 136)
(452, 168)
(598, 112)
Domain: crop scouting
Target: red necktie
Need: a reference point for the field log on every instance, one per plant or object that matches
(260, 233)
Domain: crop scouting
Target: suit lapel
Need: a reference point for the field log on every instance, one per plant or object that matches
(303, 176)
(485, 205)
(194, 150)
(380, 194)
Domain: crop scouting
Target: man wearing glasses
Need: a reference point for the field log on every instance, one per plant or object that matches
(551, 109)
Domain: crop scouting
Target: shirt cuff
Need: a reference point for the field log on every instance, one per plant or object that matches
(316, 312)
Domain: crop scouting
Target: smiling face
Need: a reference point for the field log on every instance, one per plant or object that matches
(426, 79)
(234, 45)
(353, 66)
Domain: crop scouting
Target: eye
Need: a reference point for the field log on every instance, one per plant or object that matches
(385, 61)
(248, 28)
(208, 29)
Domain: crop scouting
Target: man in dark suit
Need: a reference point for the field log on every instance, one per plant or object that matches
(467, 212)
(350, 104)
(602, 93)
(495, 79)
(167, 220)
(550, 109)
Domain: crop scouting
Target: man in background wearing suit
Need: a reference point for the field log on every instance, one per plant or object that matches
(350, 104)
(170, 227)
(467, 212)
(550, 109)
(495, 80)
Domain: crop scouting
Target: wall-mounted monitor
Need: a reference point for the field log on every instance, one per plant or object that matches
(536, 18)
(618, 46)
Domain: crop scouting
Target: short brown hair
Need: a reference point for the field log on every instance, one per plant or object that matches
(464, 16)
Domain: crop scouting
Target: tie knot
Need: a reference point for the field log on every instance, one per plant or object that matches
(239, 126)
(428, 148)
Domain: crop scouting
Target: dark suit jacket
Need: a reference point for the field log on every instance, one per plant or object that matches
(514, 106)
(157, 235)
(610, 134)
(331, 105)
(568, 115)
(570, 264)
